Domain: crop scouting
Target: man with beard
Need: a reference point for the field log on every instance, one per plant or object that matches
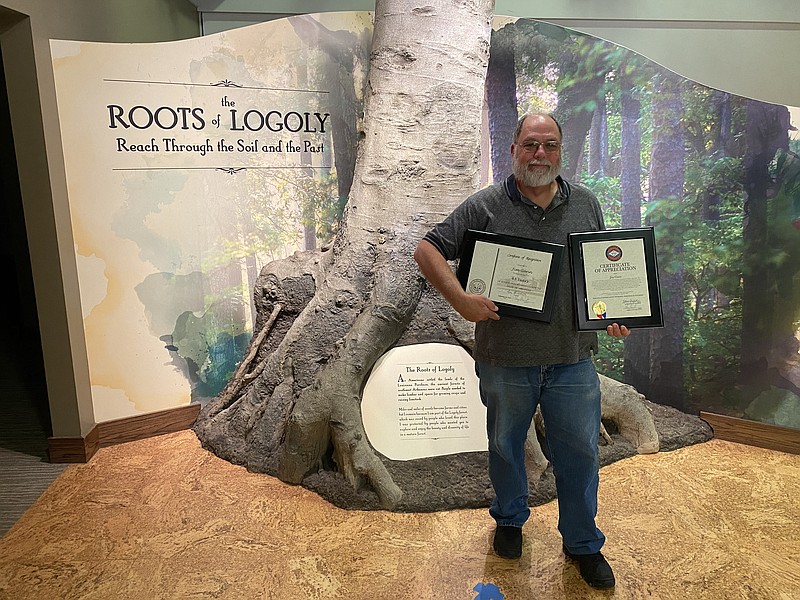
(524, 363)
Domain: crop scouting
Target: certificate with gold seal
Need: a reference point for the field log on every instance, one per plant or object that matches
(520, 275)
(615, 274)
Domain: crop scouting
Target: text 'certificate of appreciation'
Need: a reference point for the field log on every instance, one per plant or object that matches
(616, 279)
(512, 275)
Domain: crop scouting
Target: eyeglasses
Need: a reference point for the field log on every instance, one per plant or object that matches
(549, 147)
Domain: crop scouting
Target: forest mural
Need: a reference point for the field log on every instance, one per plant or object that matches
(716, 175)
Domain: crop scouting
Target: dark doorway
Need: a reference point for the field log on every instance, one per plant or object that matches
(25, 423)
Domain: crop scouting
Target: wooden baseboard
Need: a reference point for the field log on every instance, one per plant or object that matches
(754, 433)
(73, 450)
(118, 431)
(139, 427)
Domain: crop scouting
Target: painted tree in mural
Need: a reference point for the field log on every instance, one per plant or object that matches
(501, 100)
(326, 317)
(338, 54)
(582, 76)
(518, 55)
(597, 164)
(636, 358)
(770, 295)
(710, 217)
(629, 83)
(664, 381)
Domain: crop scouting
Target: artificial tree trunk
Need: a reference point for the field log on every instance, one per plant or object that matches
(336, 311)
(293, 408)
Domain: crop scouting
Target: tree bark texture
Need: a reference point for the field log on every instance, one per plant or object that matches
(630, 154)
(666, 185)
(766, 133)
(598, 140)
(637, 345)
(345, 306)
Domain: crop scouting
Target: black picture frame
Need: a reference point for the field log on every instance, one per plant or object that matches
(509, 275)
(603, 281)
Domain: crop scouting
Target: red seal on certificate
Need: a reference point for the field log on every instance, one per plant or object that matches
(613, 253)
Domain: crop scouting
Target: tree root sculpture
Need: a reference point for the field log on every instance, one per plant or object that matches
(315, 397)
(624, 406)
(620, 404)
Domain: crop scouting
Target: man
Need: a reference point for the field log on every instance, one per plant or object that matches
(523, 363)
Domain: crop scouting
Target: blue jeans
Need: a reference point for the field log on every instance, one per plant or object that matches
(569, 396)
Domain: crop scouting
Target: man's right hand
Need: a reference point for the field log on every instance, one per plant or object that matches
(476, 308)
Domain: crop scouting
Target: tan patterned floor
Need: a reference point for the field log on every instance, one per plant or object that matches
(162, 518)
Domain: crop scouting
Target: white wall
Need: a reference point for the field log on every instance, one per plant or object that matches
(740, 46)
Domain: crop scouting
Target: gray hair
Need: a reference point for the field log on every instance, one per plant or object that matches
(521, 120)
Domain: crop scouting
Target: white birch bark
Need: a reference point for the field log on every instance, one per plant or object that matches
(419, 157)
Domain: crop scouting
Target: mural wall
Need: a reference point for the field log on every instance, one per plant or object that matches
(718, 177)
(191, 164)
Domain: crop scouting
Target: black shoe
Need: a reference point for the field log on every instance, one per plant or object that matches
(594, 569)
(508, 541)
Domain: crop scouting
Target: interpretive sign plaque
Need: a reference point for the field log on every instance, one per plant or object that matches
(423, 400)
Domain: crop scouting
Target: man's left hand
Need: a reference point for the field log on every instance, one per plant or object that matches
(616, 330)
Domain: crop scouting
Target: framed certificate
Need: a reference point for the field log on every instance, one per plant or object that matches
(518, 274)
(615, 274)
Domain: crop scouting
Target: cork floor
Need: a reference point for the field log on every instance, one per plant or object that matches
(162, 518)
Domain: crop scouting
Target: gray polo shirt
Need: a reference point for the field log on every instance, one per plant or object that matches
(519, 342)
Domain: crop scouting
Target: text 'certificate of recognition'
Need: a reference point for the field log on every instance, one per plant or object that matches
(616, 279)
(512, 275)
(520, 275)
